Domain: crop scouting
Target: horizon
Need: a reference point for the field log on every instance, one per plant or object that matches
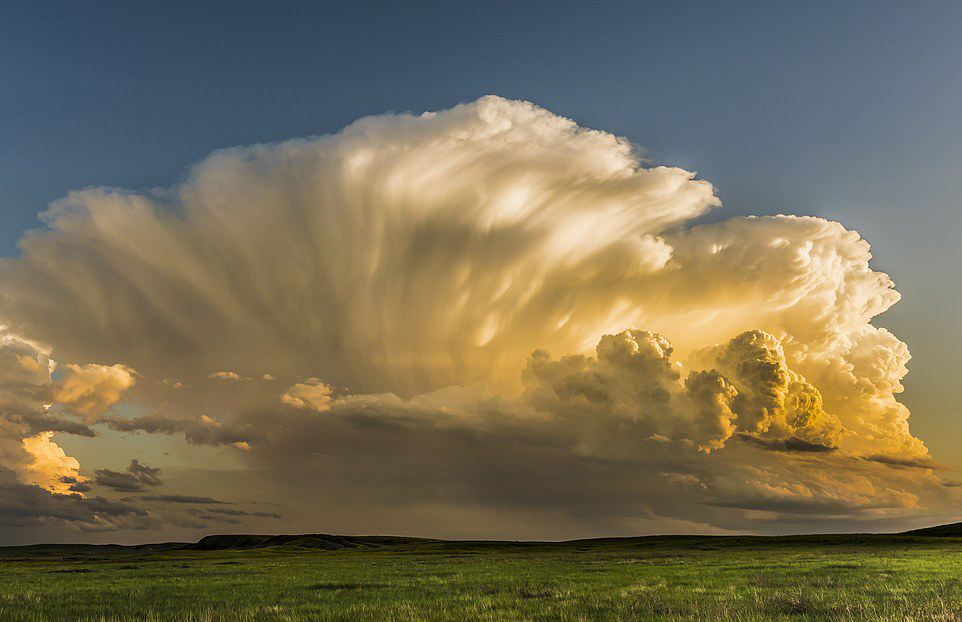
(491, 540)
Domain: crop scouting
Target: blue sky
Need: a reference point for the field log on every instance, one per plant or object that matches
(843, 110)
(802, 108)
(849, 111)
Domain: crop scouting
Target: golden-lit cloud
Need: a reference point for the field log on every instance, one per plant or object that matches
(90, 390)
(312, 393)
(49, 467)
(39, 483)
(489, 291)
(404, 254)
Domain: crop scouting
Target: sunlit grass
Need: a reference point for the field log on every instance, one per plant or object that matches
(696, 579)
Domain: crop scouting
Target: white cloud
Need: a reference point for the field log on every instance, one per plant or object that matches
(416, 262)
(227, 376)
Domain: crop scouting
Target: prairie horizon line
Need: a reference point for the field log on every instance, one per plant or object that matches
(934, 531)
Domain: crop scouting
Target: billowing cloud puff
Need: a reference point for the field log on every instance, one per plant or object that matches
(404, 254)
(771, 400)
(90, 390)
(312, 393)
(49, 467)
(409, 266)
(746, 388)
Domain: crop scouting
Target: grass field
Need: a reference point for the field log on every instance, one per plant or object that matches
(717, 579)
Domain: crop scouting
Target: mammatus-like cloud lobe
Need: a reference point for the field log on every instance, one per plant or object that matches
(398, 315)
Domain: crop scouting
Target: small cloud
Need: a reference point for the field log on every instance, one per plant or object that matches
(227, 376)
(174, 383)
(923, 462)
(202, 431)
(90, 390)
(38, 422)
(793, 443)
(75, 485)
(147, 475)
(312, 393)
(183, 499)
(121, 482)
(138, 476)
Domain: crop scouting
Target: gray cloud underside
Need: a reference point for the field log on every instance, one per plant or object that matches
(181, 499)
(137, 477)
(30, 505)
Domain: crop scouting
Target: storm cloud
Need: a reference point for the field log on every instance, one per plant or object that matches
(484, 311)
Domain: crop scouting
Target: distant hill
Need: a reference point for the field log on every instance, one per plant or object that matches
(952, 530)
(306, 541)
(328, 542)
(335, 543)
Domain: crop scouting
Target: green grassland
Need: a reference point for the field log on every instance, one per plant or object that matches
(325, 578)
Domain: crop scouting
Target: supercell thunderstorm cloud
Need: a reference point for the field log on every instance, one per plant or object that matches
(480, 322)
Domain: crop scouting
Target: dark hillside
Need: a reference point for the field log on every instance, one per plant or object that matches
(952, 530)
(329, 542)
(325, 542)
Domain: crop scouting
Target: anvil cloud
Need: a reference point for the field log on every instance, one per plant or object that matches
(467, 322)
